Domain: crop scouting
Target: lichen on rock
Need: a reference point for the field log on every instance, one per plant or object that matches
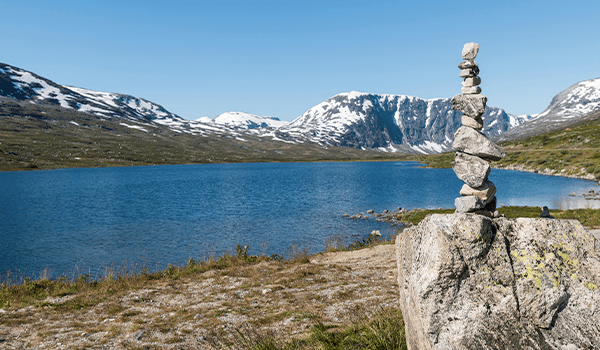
(470, 282)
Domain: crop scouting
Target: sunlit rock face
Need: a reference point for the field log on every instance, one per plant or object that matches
(470, 282)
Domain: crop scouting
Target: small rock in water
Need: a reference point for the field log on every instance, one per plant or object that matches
(386, 211)
(475, 123)
(468, 204)
(474, 81)
(370, 211)
(469, 51)
(376, 233)
(470, 90)
(468, 64)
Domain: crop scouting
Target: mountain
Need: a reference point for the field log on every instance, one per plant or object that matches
(23, 85)
(571, 106)
(247, 121)
(390, 123)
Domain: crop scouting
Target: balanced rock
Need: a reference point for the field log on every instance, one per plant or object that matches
(469, 51)
(469, 72)
(471, 81)
(467, 64)
(470, 282)
(491, 206)
(467, 90)
(468, 204)
(475, 123)
(468, 140)
(485, 192)
(471, 105)
(471, 170)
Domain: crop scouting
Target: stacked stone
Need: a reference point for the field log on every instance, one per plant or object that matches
(474, 150)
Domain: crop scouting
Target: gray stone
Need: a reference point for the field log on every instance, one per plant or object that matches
(471, 105)
(469, 51)
(468, 82)
(468, 204)
(546, 213)
(471, 170)
(470, 282)
(468, 64)
(491, 206)
(485, 192)
(475, 123)
(470, 90)
(469, 72)
(139, 335)
(375, 233)
(468, 140)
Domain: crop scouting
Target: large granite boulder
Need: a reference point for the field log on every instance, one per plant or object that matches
(470, 282)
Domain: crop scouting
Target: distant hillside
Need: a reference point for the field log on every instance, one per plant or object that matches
(570, 152)
(571, 106)
(39, 136)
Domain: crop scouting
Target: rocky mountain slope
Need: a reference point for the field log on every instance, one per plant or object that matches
(573, 105)
(390, 122)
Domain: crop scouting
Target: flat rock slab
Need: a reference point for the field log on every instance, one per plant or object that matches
(485, 192)
(470, 282)
(471, 141)
(471, 105)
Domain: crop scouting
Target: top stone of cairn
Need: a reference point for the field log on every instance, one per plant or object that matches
(469, 51)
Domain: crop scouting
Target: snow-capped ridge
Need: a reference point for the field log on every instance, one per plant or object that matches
(573, 104)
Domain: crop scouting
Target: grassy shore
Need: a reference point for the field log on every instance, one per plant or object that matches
(572, 152)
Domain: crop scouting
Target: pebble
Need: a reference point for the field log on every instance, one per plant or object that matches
(376, 233)
(138, 335)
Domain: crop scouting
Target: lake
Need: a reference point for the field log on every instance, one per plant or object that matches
(82, 220)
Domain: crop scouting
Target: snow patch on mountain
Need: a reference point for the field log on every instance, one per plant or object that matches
(247, 121)
(389, 122)
(569, 106)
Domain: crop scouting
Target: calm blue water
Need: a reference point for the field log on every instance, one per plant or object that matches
(86, 219)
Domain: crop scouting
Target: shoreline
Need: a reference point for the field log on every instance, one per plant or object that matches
(549, 172)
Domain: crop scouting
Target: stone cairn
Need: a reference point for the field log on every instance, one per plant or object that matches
(473, 149)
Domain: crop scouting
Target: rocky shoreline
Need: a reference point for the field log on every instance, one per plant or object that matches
(552, 172)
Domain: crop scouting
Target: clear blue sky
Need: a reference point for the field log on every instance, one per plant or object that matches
(280, 58)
